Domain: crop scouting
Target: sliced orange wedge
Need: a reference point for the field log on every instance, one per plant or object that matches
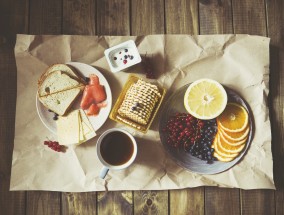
(229, 148)
(221, 152)
(235, 136)
(234, 118)
(226, 141)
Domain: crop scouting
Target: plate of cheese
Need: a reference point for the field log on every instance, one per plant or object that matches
(68, 102)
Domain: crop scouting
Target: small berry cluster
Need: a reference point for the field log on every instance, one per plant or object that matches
(193, 135)
(147, 67)
(54, 145)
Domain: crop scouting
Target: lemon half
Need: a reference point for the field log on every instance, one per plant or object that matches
(205, 99)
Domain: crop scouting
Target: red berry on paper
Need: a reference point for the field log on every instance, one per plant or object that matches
(125, 61)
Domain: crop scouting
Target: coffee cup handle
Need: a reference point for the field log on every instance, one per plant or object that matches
(104, 172)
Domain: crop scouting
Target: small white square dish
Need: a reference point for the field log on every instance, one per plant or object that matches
(122, 56)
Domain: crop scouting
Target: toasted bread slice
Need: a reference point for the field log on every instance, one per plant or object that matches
(60, 102)
(67, 69)
(56, 82)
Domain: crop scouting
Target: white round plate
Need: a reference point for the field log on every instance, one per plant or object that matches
(96, 121)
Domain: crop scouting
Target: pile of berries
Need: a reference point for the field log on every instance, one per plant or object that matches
(54, 145)
(147, 67)
(193, 135)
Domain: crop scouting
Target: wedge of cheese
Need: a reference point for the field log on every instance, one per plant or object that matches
(74, 129)
(68, 128)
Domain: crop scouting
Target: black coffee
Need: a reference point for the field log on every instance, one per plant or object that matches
(116, 148)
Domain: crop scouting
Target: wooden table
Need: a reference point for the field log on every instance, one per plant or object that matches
(138, 17)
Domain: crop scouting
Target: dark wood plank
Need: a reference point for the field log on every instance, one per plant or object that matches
(79, 17)
(147, 17)
(46, 203)
(181, 16)
(151, 202)
(215, 17)
(113, 17)
(13, 19)
(45, 17)
(275, 22)
(187, 201)
(115, 203)
(222, 201)
(79, 203)
(250, 18)
(257, 202)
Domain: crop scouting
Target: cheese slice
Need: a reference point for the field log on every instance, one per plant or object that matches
(68, 128)
(87, 128)
(81, 132)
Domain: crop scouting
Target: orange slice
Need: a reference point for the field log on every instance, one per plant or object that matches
(229, 148)
(221, 158)
(234, 118)
(221, 152)
(235, 136)
(232, 142)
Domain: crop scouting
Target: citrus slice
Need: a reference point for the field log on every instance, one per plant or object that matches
(234, 118)
(235, 136)
(221, 158)
(229, 148)
(231, 142)
(205, 99)
(221, 152)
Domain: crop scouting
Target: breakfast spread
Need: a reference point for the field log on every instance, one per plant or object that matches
(211, 129)
(94, 96)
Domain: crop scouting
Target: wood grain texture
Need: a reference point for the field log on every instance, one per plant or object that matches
(215, 17)
(257, 202)
(13, 20)
(113, 17)
(275, 22)
(45, 17)
(115, 203)
(249, 17)
(151, 202)
(181, 16)
(222, 201)
(187, 201)
(47, 203)
(147, 17)
(79, 17)
(79, 203)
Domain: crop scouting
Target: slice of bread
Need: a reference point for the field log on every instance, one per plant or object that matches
(56, 82)
(67, 69)
(60, 102)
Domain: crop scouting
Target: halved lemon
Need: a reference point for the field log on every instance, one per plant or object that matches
(234, 118)
(205, 99)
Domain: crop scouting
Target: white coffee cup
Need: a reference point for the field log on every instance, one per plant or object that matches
(100, 153)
